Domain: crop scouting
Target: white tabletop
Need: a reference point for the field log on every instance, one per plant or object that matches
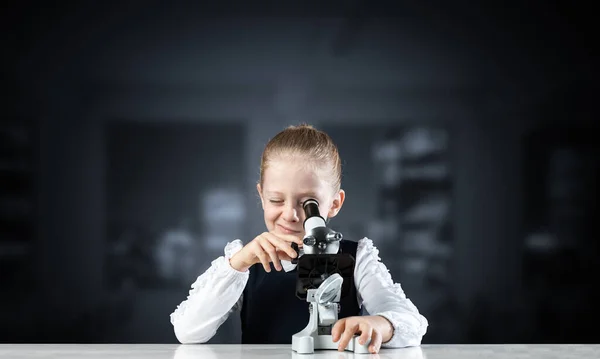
(173, 351)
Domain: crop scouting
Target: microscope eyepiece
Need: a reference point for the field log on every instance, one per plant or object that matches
(311, 208)
(318, 239)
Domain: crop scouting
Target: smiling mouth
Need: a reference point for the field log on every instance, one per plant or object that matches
(287, 230)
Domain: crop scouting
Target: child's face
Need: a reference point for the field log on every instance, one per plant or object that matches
(286, 185)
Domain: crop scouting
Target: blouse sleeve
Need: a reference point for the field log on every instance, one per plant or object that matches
(213, 297)
(379, 295)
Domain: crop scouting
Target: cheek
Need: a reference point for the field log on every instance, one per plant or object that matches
(324, 209)
(271, 213)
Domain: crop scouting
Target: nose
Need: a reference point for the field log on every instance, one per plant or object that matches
(290, 214)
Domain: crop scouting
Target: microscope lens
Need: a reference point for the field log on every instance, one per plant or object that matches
(310, 241)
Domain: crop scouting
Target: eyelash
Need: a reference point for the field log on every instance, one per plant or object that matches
(275, 201)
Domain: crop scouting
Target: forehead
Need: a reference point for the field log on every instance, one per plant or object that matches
(294, 175)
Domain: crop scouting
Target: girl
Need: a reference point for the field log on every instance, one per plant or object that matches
(299, 163)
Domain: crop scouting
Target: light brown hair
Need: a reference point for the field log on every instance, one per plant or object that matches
(304, 140)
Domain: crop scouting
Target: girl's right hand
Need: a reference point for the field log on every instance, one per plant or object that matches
(265, 248)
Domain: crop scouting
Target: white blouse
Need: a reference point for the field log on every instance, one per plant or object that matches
(218, 292)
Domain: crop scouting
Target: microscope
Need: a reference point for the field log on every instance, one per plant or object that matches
(324, 276)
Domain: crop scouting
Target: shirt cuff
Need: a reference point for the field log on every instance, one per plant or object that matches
(405, 334)
(230, 249)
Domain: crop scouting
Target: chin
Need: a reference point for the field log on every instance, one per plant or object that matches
(298, 235)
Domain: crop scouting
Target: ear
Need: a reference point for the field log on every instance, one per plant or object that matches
(336, 205)
(259, 189)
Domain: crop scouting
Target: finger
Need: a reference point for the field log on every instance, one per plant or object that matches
(300, 240)
(338, 329)
(284, 256)
(272, 253)
(281, 244)
(263, 258)
(284, 240)
(287, 238)
(375, 345)
(347, 336)
(366, 331)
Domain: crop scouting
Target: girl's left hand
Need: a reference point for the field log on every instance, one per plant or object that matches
(374, 328)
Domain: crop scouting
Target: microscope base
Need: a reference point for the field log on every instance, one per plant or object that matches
(323, 315)
(307, 344)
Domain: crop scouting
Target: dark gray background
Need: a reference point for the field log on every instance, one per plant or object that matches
(132, 136)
